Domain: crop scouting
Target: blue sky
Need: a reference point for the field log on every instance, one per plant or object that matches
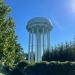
(61, 13)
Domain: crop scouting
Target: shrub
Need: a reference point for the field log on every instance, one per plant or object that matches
(51, 68)
(63, 52)
(45, 68)
(19, 70)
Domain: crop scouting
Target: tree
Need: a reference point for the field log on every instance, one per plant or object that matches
(63, 52)
(10, 50)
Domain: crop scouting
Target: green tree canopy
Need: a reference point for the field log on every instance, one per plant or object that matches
(10, 51)
(63, 52)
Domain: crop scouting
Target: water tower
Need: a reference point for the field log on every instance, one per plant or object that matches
(39, 37)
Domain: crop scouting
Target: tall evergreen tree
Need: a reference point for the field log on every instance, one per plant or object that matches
(10, 50)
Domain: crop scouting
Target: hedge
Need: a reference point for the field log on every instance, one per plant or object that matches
(48, 68)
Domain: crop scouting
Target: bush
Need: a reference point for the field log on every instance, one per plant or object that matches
(2, 70)
(45, 68)
(19, 70)
(52, 68)
(63, 52)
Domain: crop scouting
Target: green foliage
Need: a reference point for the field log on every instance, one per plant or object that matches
(52, 68)
(63, 52)
(2, 71)
(20, 68)
(10, 51)
(45, 68)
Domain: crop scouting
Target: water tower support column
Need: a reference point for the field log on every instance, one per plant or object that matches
(43, 41)
(38, 47)
(29, 48)
(32, 54)
(48, 40)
